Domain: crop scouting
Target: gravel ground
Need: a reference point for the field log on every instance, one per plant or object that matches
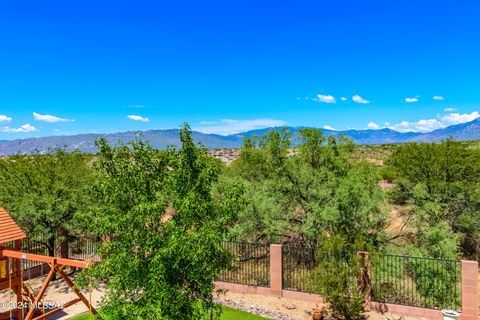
(285, 309)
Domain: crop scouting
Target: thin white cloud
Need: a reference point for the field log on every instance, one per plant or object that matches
(457, 118)
(24, 128)
(423, 125)
(328, 127)
(325, 98)
(49, 118)
(411, 100)
(360, 100)
(137, 118)
(343, 98)
(373, 125)
(450, 109)
(231, 126)
(427, 125)
(439, 98)
(4, 118)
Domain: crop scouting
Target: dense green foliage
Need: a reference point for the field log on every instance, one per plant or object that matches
(164, 228)
(306, 193)
(315, 193)
(165, 213)
(440, 184)
(44, 193)
(339, 276)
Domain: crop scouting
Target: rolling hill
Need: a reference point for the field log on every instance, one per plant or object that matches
(162, 138)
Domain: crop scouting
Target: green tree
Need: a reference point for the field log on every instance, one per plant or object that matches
(165, 216)
(45, 192)
(439, 182)
(296, 193)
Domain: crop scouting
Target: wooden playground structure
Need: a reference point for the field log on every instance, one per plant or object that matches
(29, 304)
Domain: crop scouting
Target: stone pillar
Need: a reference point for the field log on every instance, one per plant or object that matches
(469, 290)
(276, 270)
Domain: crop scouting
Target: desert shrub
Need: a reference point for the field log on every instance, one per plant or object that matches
(388, 173)
(435, 282)
(416, 281)
(340, 277)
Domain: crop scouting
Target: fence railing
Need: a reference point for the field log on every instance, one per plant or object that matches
(418, 282)
(36, 247)
(250, 264)
(410, 281)
(31, 246)
(84, 249)
(299, 263)
(78, 249)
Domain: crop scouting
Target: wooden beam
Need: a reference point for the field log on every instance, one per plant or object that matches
(56, 265)
(6, 284)
(41, 292)
(45, 259)
(5, 316)
(77, 292)
(20, 311)
(30, 295)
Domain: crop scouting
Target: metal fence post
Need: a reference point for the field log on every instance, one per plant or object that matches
(469, 290)
(276, 269)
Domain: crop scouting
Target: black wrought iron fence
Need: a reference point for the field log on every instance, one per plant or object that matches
(412, 281)
(418, 282)
(299, 263)
(84, 249)
(31, 246)
(250, 264)
(37, 246)
(79, 249)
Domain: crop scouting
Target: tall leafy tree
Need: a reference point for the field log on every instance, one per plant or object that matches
(164, 225)
(440, 183)
(297, 193)
(45, 192)
(314, 192)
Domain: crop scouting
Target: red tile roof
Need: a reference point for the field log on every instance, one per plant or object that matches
(9, 230)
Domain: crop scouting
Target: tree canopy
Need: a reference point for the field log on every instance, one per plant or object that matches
(164, 223)
(439, 182)
(307, 191)
(44, 193)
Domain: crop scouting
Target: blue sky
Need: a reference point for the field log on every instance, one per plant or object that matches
(72, 67)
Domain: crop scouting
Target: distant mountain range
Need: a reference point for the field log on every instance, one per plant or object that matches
(160, 139)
